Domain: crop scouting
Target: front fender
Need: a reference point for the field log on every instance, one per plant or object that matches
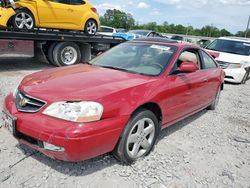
(5, 15)
(31, 6)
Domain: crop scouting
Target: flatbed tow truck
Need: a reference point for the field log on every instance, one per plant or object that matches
(60, 48)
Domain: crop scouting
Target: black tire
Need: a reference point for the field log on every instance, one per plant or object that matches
(216, 101)
(66, 53)
(122, 150)
(23, 19)
(50, 53)
(90, 23)
(245, 76)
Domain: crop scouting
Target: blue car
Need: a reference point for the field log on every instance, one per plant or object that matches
(134, 34)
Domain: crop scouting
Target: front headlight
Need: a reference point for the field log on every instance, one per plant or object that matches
(234, 66)
(75, 111)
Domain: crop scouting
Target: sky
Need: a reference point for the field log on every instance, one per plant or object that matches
(228, 14)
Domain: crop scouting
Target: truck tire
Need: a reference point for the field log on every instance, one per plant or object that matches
(23, 19)
(66, 53)
(50, 54)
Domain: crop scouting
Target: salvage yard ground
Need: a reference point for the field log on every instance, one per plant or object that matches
(208, 149)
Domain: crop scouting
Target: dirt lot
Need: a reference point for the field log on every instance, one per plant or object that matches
(209, 149)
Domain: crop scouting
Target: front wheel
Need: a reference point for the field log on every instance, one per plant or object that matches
(138, 137)
(90, 27)
(245, 76)
(23, 19)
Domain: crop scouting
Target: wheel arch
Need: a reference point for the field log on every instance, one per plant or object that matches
(153, 107)
(31, 10)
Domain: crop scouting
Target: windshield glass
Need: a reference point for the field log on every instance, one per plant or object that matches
(139, 58)
(139, 32)
(229, 46)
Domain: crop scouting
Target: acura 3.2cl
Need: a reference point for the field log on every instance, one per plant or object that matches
(118, 102)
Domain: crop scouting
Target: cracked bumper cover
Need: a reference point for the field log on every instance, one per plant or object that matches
(80, 141)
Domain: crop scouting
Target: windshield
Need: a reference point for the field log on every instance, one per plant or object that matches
(139, 32)
(229, 46)
(139, 58)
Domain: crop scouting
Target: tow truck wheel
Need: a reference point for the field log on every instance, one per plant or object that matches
(23, 19)
(66, 53)
(90, 27)
(50, 54)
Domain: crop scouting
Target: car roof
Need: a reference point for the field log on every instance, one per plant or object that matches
(103, 26)
(164, 41)
(141, 30)
(241, 39)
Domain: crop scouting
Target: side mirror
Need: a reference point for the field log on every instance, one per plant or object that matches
(188, 67)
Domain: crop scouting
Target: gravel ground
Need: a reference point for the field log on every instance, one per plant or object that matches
(208, 149)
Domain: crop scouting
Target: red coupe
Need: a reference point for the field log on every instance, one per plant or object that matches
(118, 102)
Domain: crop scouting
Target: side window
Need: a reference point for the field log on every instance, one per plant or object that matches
(190, 55)
(208, 62)
(77, 2)
(60, 1)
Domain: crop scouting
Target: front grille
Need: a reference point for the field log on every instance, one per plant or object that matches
(25, 103)
(223, 64)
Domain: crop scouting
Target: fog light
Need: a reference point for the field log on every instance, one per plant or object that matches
(52, 147)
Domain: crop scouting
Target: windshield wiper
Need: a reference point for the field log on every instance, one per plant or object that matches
(114, 68)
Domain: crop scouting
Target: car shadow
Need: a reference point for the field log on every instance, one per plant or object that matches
(98, 163)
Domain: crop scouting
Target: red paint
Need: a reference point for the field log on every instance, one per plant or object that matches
(120, 93)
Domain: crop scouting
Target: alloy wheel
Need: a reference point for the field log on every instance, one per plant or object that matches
(140, 138)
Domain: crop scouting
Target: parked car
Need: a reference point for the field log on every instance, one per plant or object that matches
(106, 30)
(63, 14)
(203, 42)
(181, 39)
(135, 34)
(233, 55)
(121, 30)
(118, 102)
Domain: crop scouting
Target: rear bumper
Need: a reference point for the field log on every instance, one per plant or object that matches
(5, 15)
(234, 75)
(80, 141)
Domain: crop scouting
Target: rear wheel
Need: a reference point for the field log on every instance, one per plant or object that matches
(50, 53)
(138, 137)
(23, 19)
(66, 53)
(90, 27)
(215, 102)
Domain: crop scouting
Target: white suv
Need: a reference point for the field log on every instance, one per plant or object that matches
(233, 55)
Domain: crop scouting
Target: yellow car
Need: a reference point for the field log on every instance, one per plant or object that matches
(56, 14)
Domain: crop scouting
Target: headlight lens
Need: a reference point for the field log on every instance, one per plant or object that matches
(234, 65)
(75, 111)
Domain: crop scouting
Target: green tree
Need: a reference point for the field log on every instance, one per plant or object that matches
(118, 19)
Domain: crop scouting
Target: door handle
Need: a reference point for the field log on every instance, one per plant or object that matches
(205, 80)
(71, 10)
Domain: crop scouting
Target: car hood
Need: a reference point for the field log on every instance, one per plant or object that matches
(230, 58)
(80, 82)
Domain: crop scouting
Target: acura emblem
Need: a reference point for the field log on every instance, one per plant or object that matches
(23, 102)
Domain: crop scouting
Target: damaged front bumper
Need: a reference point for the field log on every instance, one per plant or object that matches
(65, 140)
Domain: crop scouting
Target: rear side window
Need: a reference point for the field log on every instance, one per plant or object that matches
(105, 29)
(77, 2)
(61, 1)
(208, 62)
